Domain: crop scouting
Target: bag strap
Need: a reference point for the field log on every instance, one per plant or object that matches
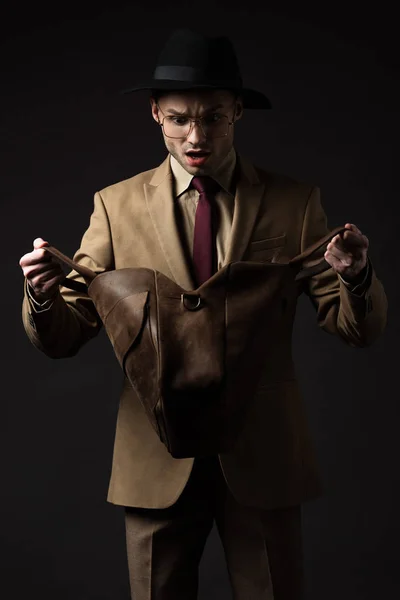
(320, 266)
(89, 275)
(86, 273)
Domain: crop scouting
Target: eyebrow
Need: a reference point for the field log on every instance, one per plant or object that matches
(180, 113)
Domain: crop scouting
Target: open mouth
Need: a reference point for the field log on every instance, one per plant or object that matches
(197, 158)
(198, 152)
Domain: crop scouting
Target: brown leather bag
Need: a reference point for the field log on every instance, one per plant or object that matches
(195, 358)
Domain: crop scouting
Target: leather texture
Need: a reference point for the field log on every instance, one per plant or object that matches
(195, 358)
(133, 225)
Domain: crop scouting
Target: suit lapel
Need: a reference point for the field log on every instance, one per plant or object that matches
(249, 191)
(160, 204)
(161, 207)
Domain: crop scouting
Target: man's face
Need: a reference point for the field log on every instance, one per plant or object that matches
(198, 153)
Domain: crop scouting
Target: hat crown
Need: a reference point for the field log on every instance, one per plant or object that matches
(211, 58)
(190, 61)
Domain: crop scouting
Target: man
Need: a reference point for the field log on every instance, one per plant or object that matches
(170, 219)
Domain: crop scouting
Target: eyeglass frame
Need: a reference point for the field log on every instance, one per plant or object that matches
(192, 121)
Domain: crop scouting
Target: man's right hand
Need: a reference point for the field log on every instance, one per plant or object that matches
(42, 271)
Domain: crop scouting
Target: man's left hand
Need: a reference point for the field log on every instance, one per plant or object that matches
(347, 253)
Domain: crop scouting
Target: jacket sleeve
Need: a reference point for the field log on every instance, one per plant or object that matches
(357, 318)
(72, 320)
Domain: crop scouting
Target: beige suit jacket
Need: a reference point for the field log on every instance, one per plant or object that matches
(133, 225)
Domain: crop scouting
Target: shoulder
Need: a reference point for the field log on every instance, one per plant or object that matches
(284, 199)
(275, 182)
(128, 186)
(284, 183)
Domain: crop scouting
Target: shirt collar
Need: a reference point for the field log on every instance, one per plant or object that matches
(223, 176)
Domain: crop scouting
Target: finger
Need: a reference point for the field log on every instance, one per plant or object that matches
(39, 243)
(339, 248)
(23, 261)
(41, 268)
(349, 241)
(342, 246)
(342, 257)
(338, 264)
(45, 291)
(35, 257)
(354, 238)
(352, 227)
(355, 235)
(41, 285)
(334, 262)
(46, 280)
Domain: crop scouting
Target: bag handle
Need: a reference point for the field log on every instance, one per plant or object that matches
(86, 273)
(322, 265)
(89, 275)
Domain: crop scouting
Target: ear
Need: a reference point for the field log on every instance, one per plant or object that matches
(238, 109)
(154, 110)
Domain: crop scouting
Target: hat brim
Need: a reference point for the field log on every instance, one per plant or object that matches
(251, 98)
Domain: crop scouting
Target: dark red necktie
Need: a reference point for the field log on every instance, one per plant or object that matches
(203, 242)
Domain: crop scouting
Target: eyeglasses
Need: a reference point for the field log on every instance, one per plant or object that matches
(179, 127)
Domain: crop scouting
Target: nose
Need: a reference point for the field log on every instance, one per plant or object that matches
(196, 133)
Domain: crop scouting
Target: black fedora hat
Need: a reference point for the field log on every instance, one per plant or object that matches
(190, 60)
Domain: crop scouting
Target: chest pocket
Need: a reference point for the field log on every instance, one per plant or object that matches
(266, 249)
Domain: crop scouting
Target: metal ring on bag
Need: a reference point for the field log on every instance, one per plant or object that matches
(192, 301)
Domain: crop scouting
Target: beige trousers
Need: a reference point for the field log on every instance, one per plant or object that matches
(263, 548)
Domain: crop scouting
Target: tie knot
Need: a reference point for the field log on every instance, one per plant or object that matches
(205, 185)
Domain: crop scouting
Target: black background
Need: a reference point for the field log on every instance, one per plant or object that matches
(331, 71)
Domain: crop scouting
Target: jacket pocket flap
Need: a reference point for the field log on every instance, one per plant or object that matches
(273, 242)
